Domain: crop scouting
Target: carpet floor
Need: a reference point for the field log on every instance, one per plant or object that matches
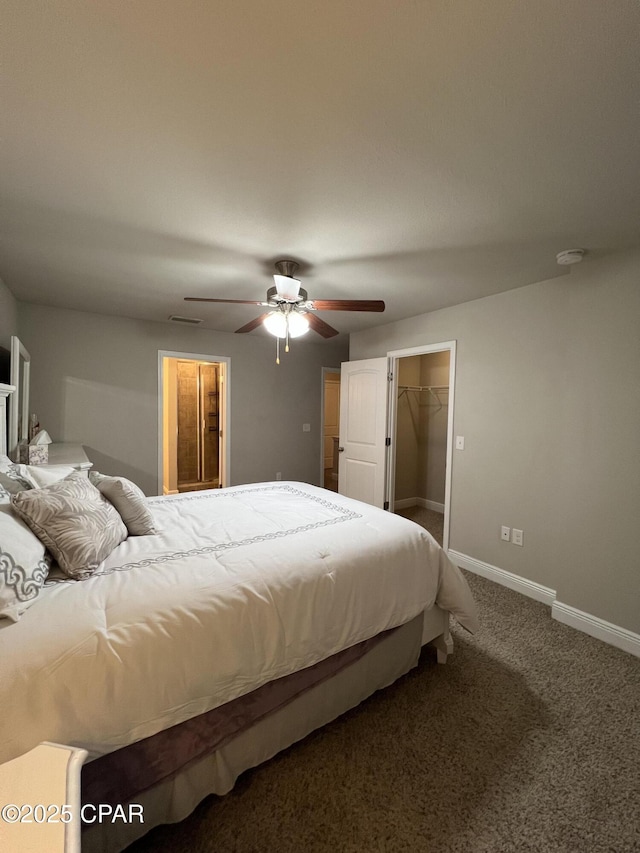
(427, 518)
(527, 740)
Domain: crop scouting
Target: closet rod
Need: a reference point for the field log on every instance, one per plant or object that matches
(423, 387)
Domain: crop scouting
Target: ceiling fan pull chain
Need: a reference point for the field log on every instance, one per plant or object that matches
(277, 350)
(286, 340)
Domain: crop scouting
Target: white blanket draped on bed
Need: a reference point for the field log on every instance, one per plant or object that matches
(242, 586)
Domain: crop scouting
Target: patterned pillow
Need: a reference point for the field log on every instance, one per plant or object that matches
(129, 500)
(23, 563)
(74, 521)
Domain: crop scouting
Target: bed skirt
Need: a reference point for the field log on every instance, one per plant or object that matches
(174, 799)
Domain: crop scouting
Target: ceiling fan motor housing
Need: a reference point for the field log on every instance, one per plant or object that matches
(273, 298)
(287, 268)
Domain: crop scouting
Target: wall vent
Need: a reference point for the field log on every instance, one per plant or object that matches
(176, 318)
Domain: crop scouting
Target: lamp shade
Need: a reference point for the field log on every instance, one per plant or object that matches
(287, 287)
(276, 324)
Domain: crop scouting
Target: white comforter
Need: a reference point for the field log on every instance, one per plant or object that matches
(243, 585)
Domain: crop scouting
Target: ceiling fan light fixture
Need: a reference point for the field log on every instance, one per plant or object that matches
(287, 287)
(276, 324)
(298, 325)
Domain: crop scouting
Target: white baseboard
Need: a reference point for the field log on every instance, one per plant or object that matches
(504, 578)
(404, 503)
(596, 627)
(621, 638)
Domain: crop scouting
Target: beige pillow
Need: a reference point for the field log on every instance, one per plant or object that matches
(128, 499)
(74, 521)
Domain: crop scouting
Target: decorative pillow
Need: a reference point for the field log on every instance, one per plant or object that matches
(23, 563)
(128, 499)
(74, 521)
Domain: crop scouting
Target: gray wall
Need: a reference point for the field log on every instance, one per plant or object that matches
(547, 397)
(95, 381)
(8, 316)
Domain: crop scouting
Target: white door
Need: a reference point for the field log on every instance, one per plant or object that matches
(363, 430)
(222, 424)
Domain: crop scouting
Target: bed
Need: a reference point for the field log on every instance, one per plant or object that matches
(276, 606)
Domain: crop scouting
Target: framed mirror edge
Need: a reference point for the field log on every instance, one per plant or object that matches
(19, 400)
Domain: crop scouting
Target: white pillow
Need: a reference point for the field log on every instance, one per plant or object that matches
(45, 475)
(12, 478)
(36, 476)
(23, 564)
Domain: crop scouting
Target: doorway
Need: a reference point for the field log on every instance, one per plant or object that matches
(193, 406)
(421, 429)
(330, 427)
(421, 439)
(370, 444)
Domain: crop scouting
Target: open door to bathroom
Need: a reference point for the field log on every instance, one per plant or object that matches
(194, 440)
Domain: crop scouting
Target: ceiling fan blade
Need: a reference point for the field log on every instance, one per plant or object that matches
(229, 301)
(347, 304)
(321, 327)
(252, 324)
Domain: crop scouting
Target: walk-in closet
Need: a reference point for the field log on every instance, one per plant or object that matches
(421, 439)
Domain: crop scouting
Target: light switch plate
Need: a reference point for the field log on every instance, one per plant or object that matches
(306, 427)
(459, 442)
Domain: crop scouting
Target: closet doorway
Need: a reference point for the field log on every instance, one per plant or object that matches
(330, 406)
(193, 430)
(422, 418)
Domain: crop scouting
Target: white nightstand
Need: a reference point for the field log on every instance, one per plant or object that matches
(48, 775)
(72, 455)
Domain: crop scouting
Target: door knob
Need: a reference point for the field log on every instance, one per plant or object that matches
(341, 450)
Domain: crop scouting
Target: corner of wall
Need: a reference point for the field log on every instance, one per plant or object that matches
(8, 315)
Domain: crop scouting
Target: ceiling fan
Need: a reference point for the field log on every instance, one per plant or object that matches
(292, 312)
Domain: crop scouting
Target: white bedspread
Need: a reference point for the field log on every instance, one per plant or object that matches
(243, 585)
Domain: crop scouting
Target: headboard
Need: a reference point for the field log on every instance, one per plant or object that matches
(5, 390)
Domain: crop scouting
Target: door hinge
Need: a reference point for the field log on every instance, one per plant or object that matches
(389, 377)
(386, 505)
(387, 441)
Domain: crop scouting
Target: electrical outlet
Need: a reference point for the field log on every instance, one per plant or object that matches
(517, 536)
(306, 427)
(278, 475)
(505, 532)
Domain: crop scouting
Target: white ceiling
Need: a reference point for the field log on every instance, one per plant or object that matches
(418, 151)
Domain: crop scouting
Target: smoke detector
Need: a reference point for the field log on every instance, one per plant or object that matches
(569, 256)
